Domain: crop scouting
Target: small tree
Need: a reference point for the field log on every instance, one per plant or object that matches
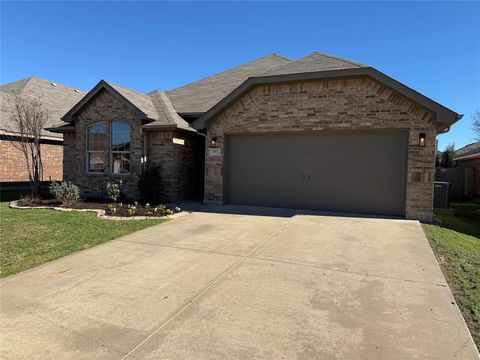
(476, 124)
(27, 118)
(447, 156)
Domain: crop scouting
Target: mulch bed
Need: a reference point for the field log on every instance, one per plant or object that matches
(121, 209)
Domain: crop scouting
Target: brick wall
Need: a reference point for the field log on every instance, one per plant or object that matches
(357, 103)
(103, 107)
(13, 166)
(178, 162)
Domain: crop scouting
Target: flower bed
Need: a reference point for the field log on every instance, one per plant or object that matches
(111, 209)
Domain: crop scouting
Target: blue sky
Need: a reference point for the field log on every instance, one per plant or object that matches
(433, 47)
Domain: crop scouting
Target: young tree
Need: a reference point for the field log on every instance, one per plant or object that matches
(447, 156)
(476, 124)
(28, 117)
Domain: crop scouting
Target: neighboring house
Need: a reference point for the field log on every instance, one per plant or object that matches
(58, 99)
(469, 157)
(316, 133)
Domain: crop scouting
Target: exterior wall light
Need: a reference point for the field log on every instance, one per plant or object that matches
(421, 140)
(213, 142)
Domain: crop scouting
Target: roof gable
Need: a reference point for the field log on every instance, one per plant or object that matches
(103, 85)
(444, 116)
(154, 107)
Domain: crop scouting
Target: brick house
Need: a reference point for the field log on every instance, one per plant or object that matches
(319, 132)
(469, 157)
(58, 99)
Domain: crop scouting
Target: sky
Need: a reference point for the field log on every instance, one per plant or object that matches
(433, 47)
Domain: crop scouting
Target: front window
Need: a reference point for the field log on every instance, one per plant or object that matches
(96, 145)
(120, 147)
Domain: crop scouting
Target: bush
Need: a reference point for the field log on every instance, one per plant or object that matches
(65, 191)
(113, 191)
(150, 185)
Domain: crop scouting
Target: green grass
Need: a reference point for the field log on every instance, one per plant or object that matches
(466, 219)
(457, 246)
(32, 237)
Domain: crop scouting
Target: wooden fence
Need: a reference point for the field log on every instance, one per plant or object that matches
(460, 179)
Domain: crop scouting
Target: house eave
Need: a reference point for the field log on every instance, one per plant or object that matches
(444, 116)
(166, 127)
(42, 137)
(467, 157)
(61, 129)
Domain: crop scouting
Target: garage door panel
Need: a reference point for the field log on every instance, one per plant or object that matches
(361, 172)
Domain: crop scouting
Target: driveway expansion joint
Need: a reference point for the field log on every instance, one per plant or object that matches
(209, 251)
(345, 271)
(204, 291)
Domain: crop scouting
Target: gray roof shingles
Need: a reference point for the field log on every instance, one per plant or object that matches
(316, 61)
(167, 116)
(142, 101)
(200, 96)
(57, 98)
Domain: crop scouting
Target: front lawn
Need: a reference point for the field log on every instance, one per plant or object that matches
(457, 247)
(32, 237)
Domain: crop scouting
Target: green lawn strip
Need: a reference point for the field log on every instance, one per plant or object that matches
(465, 220)
(459, 257)
(32, 237)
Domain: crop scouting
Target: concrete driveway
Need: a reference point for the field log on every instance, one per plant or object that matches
(247, 284)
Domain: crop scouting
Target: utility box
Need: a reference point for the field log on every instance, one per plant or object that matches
(441, 194)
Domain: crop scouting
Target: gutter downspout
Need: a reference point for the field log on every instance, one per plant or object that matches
(447, 129)
(444, 131)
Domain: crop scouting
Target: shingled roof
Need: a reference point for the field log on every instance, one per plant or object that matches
(199, 96)
(154, 107)
(316, 61)
(57, 98)
(467, 152)
(167, 116)
(142, 101)
(206, 97)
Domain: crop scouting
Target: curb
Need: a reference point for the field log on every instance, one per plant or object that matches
(99, 212)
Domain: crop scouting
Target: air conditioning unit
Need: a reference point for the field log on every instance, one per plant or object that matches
(441, 193)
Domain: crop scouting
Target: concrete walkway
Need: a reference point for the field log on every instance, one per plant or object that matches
(250, 283)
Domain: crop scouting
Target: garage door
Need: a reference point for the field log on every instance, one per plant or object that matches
(359, 172)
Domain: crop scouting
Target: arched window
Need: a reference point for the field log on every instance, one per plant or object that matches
(120, 147)
(96, 146)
